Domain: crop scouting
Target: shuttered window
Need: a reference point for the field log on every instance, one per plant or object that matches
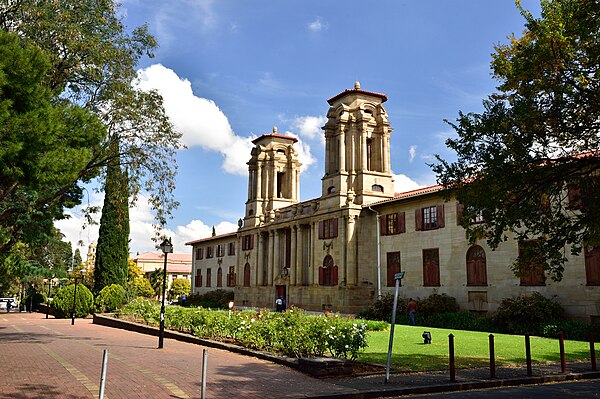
(532, 271)
(328, 228)
(247, 275)
(393, 267)
(328, 273)
(592, 265)
(431, 267)
(429, 218)
(476, 266)
(393, 223)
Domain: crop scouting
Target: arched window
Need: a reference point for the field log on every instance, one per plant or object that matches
(476, 268)
(220, 277)
(247, 275)
(328, 273)
(377, 187)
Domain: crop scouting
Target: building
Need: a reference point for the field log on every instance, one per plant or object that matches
(217, 257)
(178, 265)
(341, 250)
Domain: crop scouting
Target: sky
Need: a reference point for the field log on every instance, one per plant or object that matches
(231, 70)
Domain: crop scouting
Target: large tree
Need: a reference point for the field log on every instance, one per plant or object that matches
(537, 140)
(91, 59)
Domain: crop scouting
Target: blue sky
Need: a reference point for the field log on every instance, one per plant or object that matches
(231, 70)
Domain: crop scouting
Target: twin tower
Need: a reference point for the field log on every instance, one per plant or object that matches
(357, 159)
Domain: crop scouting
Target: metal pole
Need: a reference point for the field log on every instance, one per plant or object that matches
(561, 345)
(103, 376)
(204, 365)
(74, 302)
(528, 355)
(451, 356)
(161, 336)
(492, 358)
(389, 358)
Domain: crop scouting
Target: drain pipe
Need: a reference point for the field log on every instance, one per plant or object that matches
(378, 252)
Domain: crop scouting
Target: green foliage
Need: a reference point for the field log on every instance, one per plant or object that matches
(516, 160)
(33, 299)
(140, 286)
(180, 286)
(217, 299)
(461, 321)
(111, 298)
(525, 313)
(436, 303)
(62, 303)
(382, 309)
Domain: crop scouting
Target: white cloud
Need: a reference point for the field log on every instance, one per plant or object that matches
(404, 183)
(316, 25)
(310, 126)
(412, 152)
(200, 120)
(304, 156)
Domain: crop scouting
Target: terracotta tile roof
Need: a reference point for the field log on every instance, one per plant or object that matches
(173, 258)
(283, 136)
(207, 239)
(351, 91)
(408, 194)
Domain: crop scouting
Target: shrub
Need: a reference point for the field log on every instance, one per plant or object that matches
(62, 304)
(111, 298)
(436, 303)
(140, 286)
(33, 299)
(382, 309)
(526, 313)
(179, 287)
(217, 299)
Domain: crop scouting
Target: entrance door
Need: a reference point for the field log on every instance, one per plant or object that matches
(280, 292)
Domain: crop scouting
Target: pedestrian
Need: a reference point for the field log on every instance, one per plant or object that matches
(8, 305)
(411, 308)
(279, 304)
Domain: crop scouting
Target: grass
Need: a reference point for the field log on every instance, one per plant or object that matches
(471, 349)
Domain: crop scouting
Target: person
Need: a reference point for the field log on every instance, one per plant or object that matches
(8, 305)
(411, 309)
(183, 299)
(279, 304)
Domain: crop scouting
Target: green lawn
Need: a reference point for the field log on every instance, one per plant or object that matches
(470, 349)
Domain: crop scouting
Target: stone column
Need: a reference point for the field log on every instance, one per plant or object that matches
(315, 266)
(270, 259)
(342, 267)
(259, 181)
(276, 258)
(293, 255)
(351, 261)
(299, 257)
(342, 148)
(260, 266)
(386, 151)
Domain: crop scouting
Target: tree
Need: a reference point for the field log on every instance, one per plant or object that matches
(140, 286)
(156, 280)
(134, 271)
(90, 57)
(536, 141)
(179, 287)
(112, 251)
(77, 261)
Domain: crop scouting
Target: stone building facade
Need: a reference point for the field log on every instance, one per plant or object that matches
(340, 251)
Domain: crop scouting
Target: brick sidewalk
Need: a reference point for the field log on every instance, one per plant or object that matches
(49, 358)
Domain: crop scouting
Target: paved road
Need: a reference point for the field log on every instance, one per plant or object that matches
(42, 358)
(563, 390)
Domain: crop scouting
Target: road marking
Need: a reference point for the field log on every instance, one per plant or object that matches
(79, 376)
(175, 390)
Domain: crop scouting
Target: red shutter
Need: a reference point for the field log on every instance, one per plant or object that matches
(383, 225)
(321, 228)
(439, 210)
(418, 219)
(321, 272)
(401, 223)
(574, 195)
(335, 228)
(459, 211)
(335, 276)
(251, 241)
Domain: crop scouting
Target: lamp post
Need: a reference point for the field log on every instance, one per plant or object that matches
(55, 281)
(77, 278)
(166, 247)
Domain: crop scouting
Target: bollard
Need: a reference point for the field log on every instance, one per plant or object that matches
(103, 375)
(528, 355)
(561, 344)
(204, 364)
(492, 358)
(452, 365)
(592, 351)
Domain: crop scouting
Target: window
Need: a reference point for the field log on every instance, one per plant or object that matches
(394, 223)
(199, 253)
(431, 267)
(219, 277)
(208, 277)
(476, 267)
(231, 277)
(377, 187)
(429, 218)
(328, 228)
(209, 252)
(592, 265)
(583, 194)
(280, 177)
(247, 275)
(393, 267)
(247, 242)
(231, 248)
(328, 273)
(198, 278)
(220, 250)
(477, 217)
(531, 263)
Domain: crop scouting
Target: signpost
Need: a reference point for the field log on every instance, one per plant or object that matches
(397, 278)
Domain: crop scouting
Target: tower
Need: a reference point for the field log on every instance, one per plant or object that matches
(357, 149)
(273, 177)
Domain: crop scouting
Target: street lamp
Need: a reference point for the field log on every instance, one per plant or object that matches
(166, 247)
(77, 278)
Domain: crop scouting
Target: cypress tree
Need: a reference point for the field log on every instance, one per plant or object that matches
(112, 252)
